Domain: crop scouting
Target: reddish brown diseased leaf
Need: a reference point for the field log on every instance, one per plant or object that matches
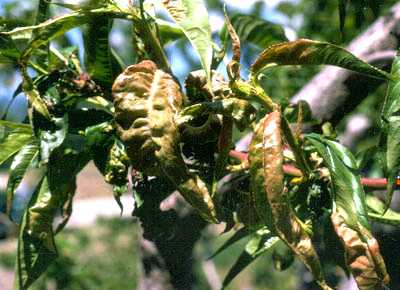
(146, 101)
(362, 255)
(287, 226)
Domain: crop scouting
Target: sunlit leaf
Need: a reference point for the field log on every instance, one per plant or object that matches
(259, 244)
(309, 52)
(21, 162)
(192, 17)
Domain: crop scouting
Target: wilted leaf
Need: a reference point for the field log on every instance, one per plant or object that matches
(13, 136)
(287, 225)
(309, 52)
(192, 18)
(259, 244)
(146, 102)
(21, 162)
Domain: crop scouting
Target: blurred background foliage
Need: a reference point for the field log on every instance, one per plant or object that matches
(104, 256)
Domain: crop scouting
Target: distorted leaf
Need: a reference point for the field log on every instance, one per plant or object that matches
(362, 255)
(256, 166)
(309, 52)
(146, 102)
(259, 244)
(192, 17)
(21, 162)
(288, 227)
(13, 136)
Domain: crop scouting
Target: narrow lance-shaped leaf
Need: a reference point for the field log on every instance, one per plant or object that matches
(21, 162)
(192, 18)
(391, 130)
(342, 14)
(146, 101)
(309, 52)
(287, 225)
(262, 241)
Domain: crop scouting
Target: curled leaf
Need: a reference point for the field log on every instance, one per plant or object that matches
(146, 102)
(287, 225)
(362, 255)
(309, 52)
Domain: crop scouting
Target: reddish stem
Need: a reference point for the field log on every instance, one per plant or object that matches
(378, 183)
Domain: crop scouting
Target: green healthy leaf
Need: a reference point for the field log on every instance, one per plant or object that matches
(255, 30)
(309, 52)
(13, 136)
(348, 193)
(259, 244)
(391, 129)
(376, 212)
(237, 236)
(22, 160)
(192, 18)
